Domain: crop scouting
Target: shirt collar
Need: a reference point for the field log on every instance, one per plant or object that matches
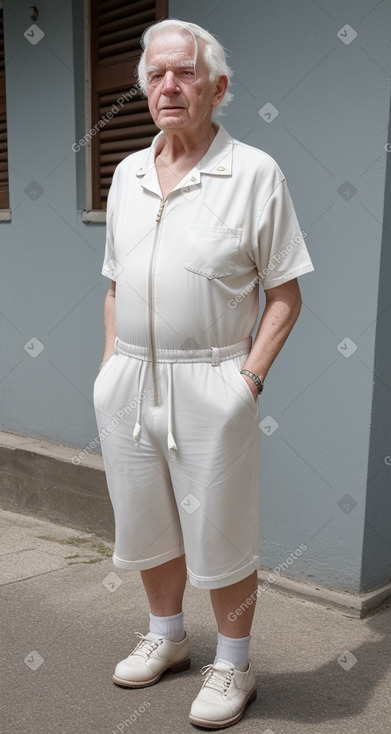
(217, 160)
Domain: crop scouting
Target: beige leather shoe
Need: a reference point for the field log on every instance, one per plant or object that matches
(153, 656)
(223, 697)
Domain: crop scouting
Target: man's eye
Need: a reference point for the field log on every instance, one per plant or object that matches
(187, 75)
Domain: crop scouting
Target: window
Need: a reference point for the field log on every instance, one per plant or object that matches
(4, 187)
(120, 120)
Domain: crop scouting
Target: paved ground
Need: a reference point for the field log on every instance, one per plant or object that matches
(67, 617)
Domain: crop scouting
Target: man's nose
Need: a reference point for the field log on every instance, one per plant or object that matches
(170, 85)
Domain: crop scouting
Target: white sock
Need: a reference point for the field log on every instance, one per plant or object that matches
(233, 650)
(171, 628)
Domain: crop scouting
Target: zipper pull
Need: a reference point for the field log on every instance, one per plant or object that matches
(160, 212)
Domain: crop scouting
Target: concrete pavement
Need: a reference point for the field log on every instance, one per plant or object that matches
(67, 616)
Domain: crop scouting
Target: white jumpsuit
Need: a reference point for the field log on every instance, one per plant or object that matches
(179, 423)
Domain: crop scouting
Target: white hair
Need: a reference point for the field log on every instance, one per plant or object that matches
(213, 52)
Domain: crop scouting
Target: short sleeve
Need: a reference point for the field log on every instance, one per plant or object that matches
(281, 253)
(111, 268)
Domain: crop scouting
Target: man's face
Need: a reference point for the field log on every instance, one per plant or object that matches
(179, 95)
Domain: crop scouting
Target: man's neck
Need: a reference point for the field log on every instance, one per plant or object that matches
(180, 145)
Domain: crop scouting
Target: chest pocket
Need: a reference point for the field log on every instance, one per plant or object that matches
(211, 251)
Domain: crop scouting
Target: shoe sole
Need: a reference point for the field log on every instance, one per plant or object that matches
(175, 668)
(208, 724)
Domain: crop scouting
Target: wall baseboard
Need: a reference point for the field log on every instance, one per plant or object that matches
(351, 605)
(39, 478)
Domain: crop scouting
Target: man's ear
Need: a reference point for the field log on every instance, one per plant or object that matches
(220, 90)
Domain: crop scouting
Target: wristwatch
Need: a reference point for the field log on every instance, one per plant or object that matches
(255, 379)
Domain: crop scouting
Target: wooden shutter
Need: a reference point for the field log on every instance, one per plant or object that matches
(120, 120)
(4, 188)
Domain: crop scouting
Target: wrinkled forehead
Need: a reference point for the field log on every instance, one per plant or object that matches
(174, 49)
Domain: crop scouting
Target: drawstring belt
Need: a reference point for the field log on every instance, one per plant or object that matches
(212, 355)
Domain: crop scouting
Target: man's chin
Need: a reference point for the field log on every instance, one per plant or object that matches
(170, 121)
(177, 113)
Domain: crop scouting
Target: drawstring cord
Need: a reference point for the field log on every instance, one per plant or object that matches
(170, 438)
(209, 354)
(137, 427)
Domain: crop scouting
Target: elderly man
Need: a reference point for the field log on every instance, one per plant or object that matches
(194, 225)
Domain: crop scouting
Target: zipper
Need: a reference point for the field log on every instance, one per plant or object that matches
(151, 335)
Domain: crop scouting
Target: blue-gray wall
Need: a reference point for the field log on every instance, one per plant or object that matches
(324, 482)
(51, 288)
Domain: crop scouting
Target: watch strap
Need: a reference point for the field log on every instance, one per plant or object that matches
(255, 379)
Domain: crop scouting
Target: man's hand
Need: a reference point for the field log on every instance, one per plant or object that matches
(252, 386)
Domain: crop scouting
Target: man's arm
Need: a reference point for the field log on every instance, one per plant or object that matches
(283, 305)
(109, 317)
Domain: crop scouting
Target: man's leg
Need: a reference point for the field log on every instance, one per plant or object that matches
(165, 586)
(227, 600)
(230, 684)
(166, 646)
(234, 610)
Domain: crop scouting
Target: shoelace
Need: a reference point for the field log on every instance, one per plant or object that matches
(145, 647)
(218, 679)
